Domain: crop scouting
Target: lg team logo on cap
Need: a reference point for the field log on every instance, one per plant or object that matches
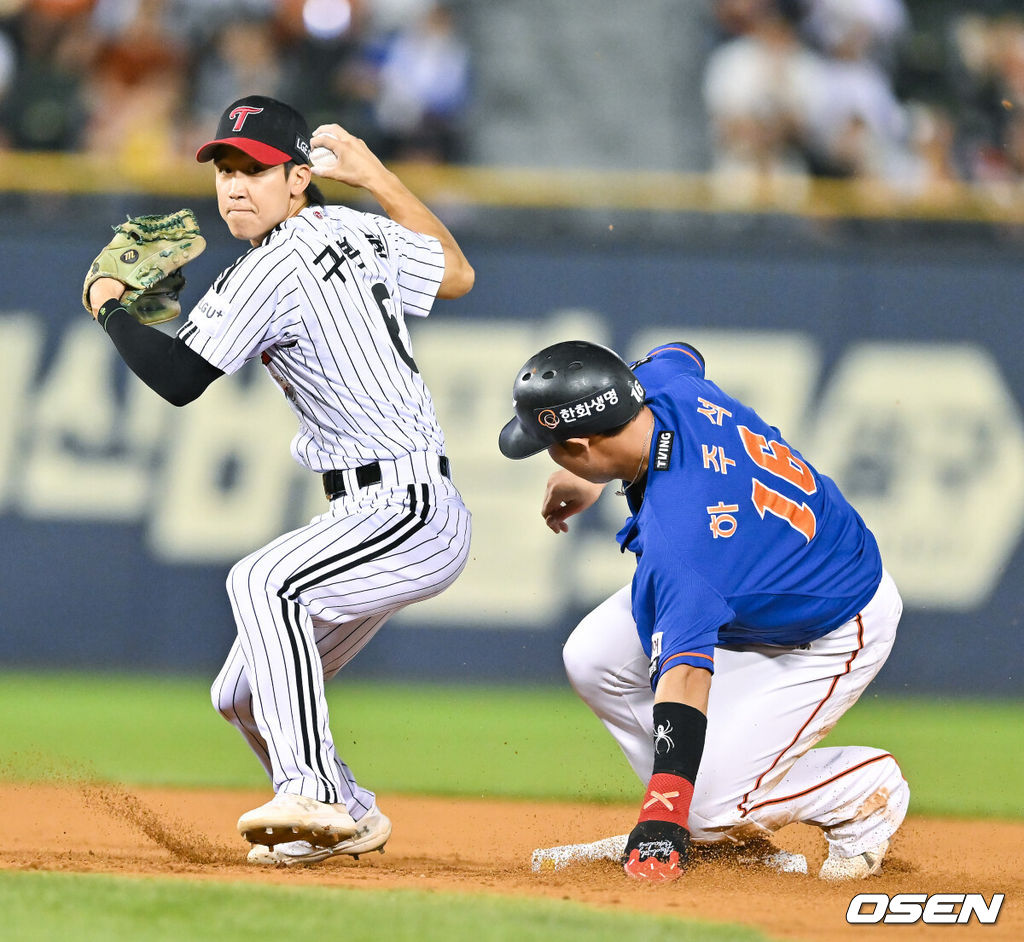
(240, 114)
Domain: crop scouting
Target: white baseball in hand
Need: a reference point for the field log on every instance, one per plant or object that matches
(322, 157)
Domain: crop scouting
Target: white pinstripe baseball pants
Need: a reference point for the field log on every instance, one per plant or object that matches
(768, 707)
(308, 602)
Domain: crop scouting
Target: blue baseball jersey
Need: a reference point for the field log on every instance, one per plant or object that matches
(738, 539)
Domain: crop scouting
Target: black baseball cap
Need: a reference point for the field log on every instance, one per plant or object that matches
(569, 390)
(266, 129)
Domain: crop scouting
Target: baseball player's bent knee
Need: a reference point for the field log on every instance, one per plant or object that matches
(233, 702)
(603, 657)
(583, 666)
(591, 671)
(223, 701)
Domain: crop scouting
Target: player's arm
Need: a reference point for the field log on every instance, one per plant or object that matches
(682, 612)
(358, 166)
(685, 684)
(163, 362)
(566, 495)
(680, 727)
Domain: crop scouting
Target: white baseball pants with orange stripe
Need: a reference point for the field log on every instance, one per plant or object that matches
(308, 602)
(768, 708)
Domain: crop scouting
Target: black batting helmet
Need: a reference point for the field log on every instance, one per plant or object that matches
(569, 390)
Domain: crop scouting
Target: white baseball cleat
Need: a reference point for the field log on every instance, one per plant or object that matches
(854, 868)
(372, 832)
(296, 818)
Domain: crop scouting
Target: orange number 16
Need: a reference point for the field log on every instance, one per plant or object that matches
(777, 459)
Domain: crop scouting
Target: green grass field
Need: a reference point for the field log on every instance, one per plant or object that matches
(463, 740)
(962, 758)
(89, 908)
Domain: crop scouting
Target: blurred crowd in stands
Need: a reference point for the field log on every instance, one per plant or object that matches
(793, 89)
(135, 79)
(837, 88)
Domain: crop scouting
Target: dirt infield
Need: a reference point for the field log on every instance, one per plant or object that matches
(484, 846)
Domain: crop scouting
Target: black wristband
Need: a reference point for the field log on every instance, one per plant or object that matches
(107, 308)
(679, 732)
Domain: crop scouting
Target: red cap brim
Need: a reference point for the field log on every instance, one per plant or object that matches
(264, 153)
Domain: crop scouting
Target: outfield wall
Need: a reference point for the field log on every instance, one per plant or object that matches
(891, 361)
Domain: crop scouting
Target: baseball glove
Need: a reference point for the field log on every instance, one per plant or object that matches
(146, 255)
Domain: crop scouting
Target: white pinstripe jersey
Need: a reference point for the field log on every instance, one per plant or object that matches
(323, 302)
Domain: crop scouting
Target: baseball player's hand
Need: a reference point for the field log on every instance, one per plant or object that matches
(350, 161)
(145, 258)
(565, 495)
(354, 163)
(103, 290)
(656, 852)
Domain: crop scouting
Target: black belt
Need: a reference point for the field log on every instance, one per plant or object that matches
(334, 481)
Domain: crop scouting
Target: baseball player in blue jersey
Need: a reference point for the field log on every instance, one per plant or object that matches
(758, 613)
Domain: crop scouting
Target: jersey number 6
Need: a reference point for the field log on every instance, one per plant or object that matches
(381, 296)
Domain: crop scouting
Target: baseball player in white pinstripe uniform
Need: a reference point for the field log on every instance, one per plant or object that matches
(321, 299)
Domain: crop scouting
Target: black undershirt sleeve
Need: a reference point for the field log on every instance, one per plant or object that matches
(162, 361)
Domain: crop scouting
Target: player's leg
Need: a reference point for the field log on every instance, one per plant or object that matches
(607, 667)
(337, 643)
(232, 698)
(307, 603)
(348, 596)
(277, 645)
(768, 708)
(857, 795)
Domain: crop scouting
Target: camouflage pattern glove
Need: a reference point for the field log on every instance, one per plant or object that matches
(146, 255)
